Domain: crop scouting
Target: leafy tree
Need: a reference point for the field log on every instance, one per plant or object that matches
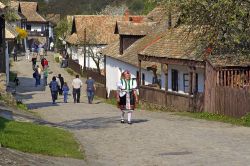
(62, 30)
(225, 24)
(113, 10)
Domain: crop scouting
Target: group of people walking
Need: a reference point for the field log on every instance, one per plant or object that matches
(126, 95)
(58, 86)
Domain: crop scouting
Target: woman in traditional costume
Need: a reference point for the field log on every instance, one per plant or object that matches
(126, 95)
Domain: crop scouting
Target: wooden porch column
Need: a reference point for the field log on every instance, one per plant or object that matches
(190, 81)
(139, 84)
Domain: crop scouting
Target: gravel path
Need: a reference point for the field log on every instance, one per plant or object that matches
(153, 139)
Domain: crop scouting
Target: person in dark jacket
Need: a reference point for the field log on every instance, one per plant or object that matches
(61, 79)
(54, 89)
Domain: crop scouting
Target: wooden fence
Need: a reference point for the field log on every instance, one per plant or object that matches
(234, 102)
(171, 99)
(88, 72)
(101, 92)
(75, 66)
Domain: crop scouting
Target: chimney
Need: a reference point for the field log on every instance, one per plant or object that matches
(126, 15)
(136, 19)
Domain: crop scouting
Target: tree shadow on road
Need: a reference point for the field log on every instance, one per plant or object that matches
(28, 85)
(91, 123)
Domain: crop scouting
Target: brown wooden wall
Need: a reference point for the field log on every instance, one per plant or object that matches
(101, 92)
(170, 99)
(234, 102)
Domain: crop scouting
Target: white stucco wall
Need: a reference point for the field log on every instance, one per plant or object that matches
(184, 70)
(37, 27)
(114, 68)
(51, 31)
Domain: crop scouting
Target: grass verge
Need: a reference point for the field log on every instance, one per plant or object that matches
(12, 76)
(243, 121)
(33, 138)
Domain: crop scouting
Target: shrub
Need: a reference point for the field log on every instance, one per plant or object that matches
(57, 59)
(70, 71)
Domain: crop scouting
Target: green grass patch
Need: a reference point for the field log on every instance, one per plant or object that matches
(244, 121)
(70, 71)
(33, 138)
(21, 106)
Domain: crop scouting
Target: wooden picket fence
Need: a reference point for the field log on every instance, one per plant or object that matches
(234, 102)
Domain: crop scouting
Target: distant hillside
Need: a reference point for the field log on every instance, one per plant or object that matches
(66, 7)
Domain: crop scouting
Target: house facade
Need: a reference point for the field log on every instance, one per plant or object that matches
(36, 26)
(183, 69)
(135, 34)
(122, 54)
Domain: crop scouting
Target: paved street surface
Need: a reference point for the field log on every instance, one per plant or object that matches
(153, 139)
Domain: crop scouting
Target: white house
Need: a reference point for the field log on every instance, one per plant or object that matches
(36, 25)
(135, 34)
(122, 55)
(93, 31)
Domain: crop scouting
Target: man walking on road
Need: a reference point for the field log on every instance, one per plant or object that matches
(76, 84)
(90, 89)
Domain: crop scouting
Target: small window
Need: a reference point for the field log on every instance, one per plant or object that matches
(186, 82)
(28, 27)
(175, 80)
(196, 83)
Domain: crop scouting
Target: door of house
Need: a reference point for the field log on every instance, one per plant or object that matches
(174, 80)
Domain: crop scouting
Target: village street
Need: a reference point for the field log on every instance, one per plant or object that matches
(155, 138)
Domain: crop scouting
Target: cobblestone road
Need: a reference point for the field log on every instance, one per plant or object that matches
(153, 139)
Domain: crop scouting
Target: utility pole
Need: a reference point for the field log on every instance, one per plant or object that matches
(84, 65)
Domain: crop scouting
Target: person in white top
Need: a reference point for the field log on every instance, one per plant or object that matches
(76, 85)
(126, 95)
(39, 71)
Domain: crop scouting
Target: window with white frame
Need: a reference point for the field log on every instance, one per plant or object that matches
(186, 82)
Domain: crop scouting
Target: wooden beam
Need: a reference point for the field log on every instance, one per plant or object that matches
(194, 90)
(139, 73)
(190, 82)
(174, 61)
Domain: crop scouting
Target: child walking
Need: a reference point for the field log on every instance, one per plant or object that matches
(65, 90)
